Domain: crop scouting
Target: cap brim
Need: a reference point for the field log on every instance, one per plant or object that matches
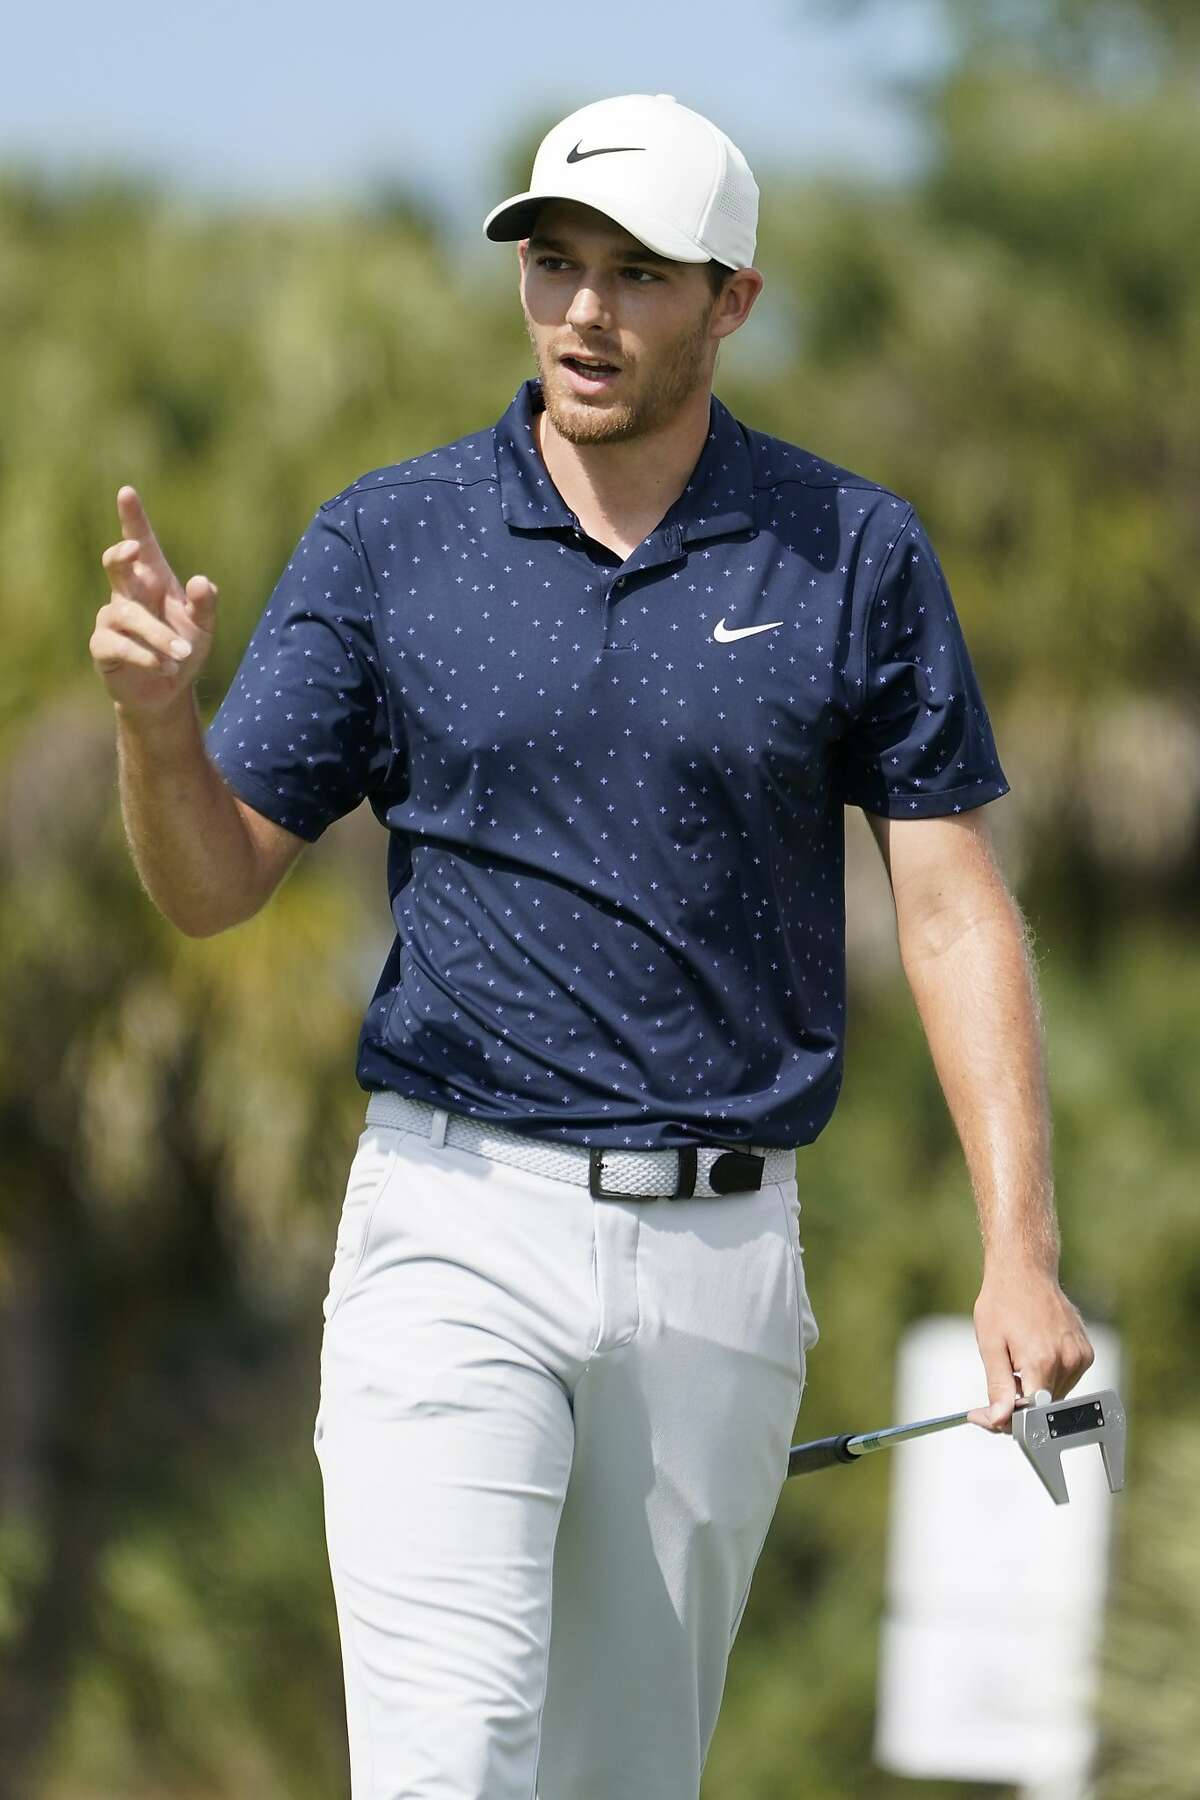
(514, 219)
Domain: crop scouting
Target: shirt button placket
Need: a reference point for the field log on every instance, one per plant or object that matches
(610, 594)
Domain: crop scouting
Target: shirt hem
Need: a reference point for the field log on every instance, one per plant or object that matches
(270, 805)
(931, 806)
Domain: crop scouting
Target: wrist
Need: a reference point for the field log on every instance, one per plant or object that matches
(1006, 1259)
(161, 727)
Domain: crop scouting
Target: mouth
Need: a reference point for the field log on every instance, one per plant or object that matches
(589, 374)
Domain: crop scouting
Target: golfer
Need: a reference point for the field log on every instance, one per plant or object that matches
(608, 673)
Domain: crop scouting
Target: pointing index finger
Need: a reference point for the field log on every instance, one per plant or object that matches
(132, 514)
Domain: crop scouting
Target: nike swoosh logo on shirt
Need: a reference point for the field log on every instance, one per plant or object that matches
(578, 155)
(724, 636)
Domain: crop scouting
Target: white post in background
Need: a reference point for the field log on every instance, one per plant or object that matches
(995, 1595)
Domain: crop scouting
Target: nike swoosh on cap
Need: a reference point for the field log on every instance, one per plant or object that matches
(578, 155)
(724, 635)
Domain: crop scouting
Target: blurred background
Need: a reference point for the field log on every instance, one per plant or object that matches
(240, 264)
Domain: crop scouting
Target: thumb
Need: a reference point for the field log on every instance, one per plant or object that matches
(200, 598)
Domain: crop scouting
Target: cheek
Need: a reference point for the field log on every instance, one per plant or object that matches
(657, 351)
(543, 305)
(666, 327)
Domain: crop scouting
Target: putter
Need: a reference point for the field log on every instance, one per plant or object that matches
(1043, 1427)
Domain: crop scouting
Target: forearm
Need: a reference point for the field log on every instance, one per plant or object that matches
(189, 843)
(975, 989)
(964, 950)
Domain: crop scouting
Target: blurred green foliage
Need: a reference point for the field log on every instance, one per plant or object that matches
(1011, 342)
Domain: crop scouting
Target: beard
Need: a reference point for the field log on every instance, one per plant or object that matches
(682, 370)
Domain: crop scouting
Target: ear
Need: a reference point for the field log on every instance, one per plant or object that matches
(736, 298)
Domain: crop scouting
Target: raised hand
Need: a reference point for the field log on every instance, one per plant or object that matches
(152, 636)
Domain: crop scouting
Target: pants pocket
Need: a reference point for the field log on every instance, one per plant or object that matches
(374, 1161)
(809, 1332)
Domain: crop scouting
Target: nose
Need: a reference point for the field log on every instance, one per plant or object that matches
(588, 307)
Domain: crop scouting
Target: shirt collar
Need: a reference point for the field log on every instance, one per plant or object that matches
(718, 498)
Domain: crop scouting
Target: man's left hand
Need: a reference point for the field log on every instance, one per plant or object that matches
(1026, 1327)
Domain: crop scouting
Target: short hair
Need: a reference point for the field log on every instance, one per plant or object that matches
(717, 272)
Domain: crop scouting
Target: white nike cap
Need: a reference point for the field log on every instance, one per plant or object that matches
(665, 173)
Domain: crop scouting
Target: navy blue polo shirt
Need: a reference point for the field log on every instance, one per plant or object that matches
(613, 789)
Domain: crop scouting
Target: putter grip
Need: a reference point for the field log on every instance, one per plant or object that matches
(822, 1453)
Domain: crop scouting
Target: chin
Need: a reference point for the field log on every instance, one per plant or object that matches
(580, 423)
(589, 421)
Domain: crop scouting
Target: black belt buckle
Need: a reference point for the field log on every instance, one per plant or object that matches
(686, 1179)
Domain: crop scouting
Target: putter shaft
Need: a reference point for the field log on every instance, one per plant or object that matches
(866, 1441)
(822, 1453)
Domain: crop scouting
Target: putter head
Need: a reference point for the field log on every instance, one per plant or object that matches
(1044, 1431)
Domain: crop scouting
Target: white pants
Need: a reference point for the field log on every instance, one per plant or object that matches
(552, 1434)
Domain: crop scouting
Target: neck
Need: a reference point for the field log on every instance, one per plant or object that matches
(620, 491)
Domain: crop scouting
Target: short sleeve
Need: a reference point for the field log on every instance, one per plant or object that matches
(920, 742)
(302, 735)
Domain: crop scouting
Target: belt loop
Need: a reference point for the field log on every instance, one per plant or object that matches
(685, 1186)
(437, 1125)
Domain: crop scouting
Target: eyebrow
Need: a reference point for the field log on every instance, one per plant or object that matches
(635, 253)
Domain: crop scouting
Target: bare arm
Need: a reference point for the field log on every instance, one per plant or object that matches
(206, 859)
(963, 947)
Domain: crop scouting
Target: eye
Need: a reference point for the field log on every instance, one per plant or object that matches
(545, 259)
(645, 274)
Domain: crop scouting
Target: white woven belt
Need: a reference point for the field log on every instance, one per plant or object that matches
(606, 1172)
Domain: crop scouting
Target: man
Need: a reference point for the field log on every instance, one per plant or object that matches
(608, 673)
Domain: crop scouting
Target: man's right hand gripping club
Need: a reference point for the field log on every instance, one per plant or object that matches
(153, 636)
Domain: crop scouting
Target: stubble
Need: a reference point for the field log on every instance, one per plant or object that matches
(681, 371)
